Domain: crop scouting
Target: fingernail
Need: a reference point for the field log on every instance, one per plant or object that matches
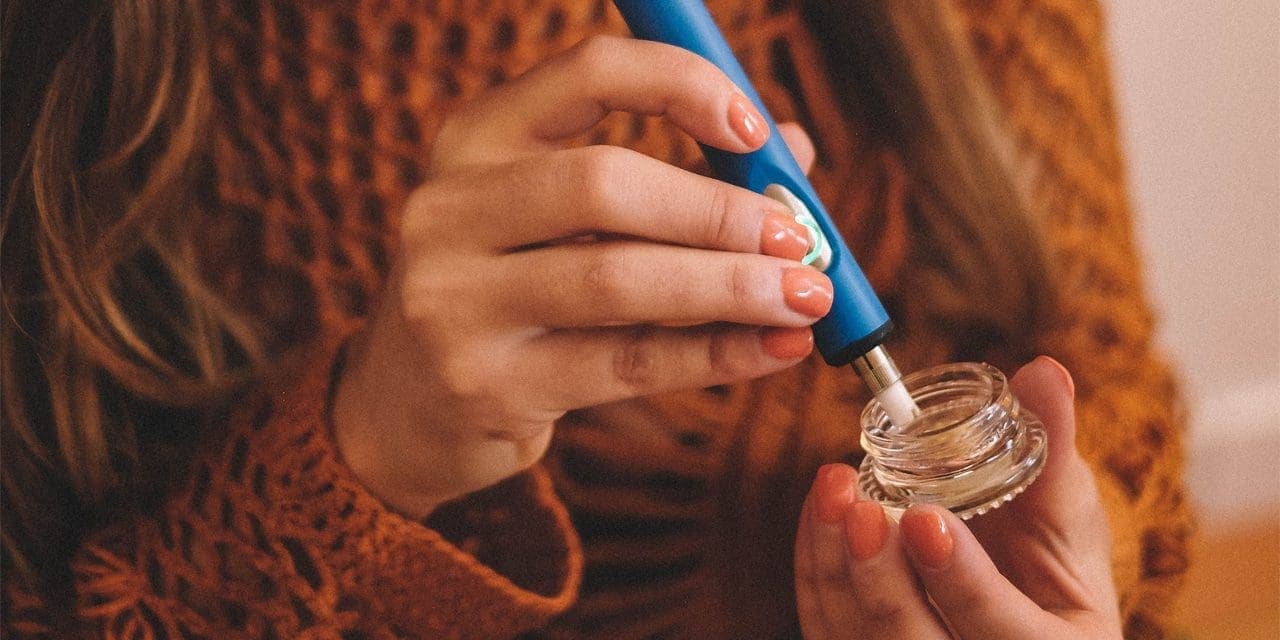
(783, 237)
(865, 529)
(807, 291)
(927, 536)
(1066, 375)
(835, 491)
(747, 122)
(787, 343)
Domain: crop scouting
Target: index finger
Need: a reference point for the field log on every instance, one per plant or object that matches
(569, 93)
(618, 191)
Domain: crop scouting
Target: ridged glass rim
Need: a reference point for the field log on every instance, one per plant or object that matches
(993, 438)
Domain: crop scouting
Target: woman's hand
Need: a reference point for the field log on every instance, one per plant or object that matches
(1038, 567)
(533, 280)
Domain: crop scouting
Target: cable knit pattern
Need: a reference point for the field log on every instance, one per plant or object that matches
(685, 504)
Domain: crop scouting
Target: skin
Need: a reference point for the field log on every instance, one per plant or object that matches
(1037, 567)
(533, 280)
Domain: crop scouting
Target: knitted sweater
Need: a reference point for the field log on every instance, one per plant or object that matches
(667, 517)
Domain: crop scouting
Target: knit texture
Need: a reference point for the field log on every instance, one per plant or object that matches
(685, 504)
(271, 537)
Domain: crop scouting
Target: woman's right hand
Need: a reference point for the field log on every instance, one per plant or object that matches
(533, 280)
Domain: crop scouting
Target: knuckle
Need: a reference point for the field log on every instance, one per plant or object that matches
(834, 575)
(725, 359)
(452, 138)
(604, 278)
(742, 283)
(883, 612)
(597, 167)
(519, 428)
(449, 131)
(417, 304)
(694, 67)
(594, 173)
(636, 363)
(704, 81)
(974, 601)
(723, 226)
(417, 217)
(593, 55)
(433, 305)
(460, 375)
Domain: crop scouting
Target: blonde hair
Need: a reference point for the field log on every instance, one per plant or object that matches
(920, 82)
(108, 323)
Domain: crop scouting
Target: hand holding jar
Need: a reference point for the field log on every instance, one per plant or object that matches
(1038, 567)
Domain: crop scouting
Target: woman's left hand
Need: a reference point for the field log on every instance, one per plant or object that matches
(1038, 567)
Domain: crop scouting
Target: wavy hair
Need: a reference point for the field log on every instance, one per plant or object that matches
(107, 323)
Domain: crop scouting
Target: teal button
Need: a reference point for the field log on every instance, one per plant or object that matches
(821, 254)
(819, 242)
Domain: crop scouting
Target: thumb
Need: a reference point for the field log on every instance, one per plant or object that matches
(1046, 389)
(968, 590)
(1064, 491)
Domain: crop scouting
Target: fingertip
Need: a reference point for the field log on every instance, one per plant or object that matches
(800, 144)
(747, 122)
(781, 236)
(865, 528)
(1044, 374)
(1046, 388)
(787, 343)
(928, 536)
(835, 488)
(1064, 378)
(963, 583)
(807, 291)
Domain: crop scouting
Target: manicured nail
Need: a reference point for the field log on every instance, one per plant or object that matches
(927, 536)
(865, 529)
(807, 291)
(783, 237)
(786, 343)
(747, 122)
(835, 491)
(1066, 375)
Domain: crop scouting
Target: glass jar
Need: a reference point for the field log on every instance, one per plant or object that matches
(971, 448)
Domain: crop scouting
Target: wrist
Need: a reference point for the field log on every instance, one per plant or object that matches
(367, 418)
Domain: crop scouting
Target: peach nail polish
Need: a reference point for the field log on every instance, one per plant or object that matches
(865, 529)
(807, 291)
(927, 536)
(782, 237)
(746, 122)
(836, 490)
(786, 343)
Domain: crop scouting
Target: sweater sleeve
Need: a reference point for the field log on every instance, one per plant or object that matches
(272, 537)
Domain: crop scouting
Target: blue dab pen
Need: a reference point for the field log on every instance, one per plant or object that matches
(853, 331)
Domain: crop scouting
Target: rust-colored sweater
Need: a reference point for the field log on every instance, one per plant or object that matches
(668, 517)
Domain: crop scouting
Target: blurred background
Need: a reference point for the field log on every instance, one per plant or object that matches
(1198, 87)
